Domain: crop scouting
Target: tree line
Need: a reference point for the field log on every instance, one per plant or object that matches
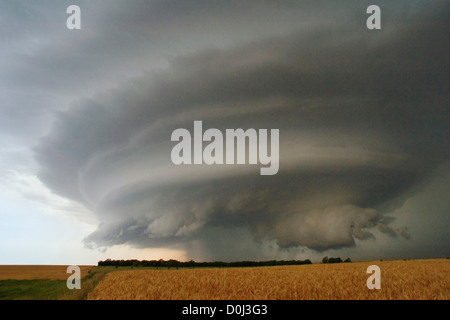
(179, 264)
(334, 260)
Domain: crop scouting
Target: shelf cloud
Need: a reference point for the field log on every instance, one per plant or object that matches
(362, 117)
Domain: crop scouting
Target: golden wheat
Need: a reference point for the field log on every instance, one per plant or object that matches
(33, 272)
(418, 279)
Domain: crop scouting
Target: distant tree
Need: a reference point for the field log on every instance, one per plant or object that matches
(334, 260)
(348, 260)
(325, 260)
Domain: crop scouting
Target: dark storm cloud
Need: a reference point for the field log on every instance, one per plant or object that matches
(45, 65)
(362, 119)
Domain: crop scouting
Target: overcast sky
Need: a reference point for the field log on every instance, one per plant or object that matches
(86, 118)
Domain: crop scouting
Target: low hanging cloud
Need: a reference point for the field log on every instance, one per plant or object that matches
(360, 126)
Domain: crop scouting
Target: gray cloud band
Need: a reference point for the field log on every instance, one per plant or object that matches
(360, 125)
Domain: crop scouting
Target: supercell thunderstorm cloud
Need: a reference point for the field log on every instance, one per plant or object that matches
(363, 120)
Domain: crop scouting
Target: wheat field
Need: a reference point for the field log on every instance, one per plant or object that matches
(33, 272)
(415, 280)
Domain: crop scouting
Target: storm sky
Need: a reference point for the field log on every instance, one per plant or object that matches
(86, 118)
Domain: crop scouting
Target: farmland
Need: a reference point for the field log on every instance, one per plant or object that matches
(42, 282)
(35, 272)
(412, 279)
(406, 280)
